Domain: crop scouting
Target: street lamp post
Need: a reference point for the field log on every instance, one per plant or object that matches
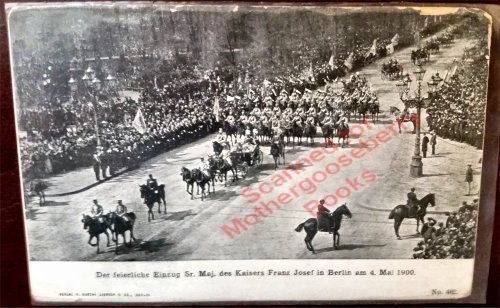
(92, 85)
(416, 166)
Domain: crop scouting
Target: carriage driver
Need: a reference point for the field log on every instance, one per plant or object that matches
(412, 202)
(96, 211)
(203, 166)
(225, 154)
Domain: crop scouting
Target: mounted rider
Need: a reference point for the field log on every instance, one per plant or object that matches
(324, 217)
(121, 210)
(97, 211)
(412, 203)
(152, 184)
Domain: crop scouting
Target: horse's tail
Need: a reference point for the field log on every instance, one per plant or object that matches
(300, 227)
(391, 215)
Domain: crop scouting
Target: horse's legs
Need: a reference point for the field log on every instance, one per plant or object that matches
(90, 240)
(132, 237)
(159, 206)
(397, 223)
(338, 238)
(97, 236)
(107, 236)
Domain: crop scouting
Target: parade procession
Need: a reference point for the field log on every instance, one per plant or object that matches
(170, 133)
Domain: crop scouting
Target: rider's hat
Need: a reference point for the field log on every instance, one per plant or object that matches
(95, 200)
(119, 201)
(321, 201)
(412, 189)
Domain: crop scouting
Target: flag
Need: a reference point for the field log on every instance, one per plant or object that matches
(139, 124)
(390, 49)
(330, 63)
(373, 49)
(395, 40)
(348, 62)
(216, 109)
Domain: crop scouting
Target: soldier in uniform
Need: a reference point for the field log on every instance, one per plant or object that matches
(152, 183)
(97, 163)
(96, 211)
(323, 215)
(121, 210)
(412, 202)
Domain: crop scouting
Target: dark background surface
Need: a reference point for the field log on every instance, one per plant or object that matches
(14, 285)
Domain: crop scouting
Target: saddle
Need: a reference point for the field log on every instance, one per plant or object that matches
(325, 223)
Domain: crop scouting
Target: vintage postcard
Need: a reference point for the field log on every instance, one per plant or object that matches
(179, 153)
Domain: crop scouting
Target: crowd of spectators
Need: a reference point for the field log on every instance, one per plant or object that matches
(176, 99)
(453, 239)
(457, 110)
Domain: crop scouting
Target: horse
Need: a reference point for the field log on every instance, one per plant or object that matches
(393, 110)
(374, 109)
(309, 132)
(217, 147)
(327, 130)
(420, 54)
(363, 109)
(343, 132)
(223, 167)
(39, 187)
(297, 131)
(277, 151)
(311, 227)
(187, 176)
(121, 225)
(150, 198)
(95, 228)
(202, 179)
(400, 212)
(404, 117)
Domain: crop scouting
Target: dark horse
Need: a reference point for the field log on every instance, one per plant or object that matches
(277, 151)
(309, 132)
(221, 165)
(120, 225)
(400, 212)
(95, 228)
(343, 133)
(39, 187)
(151, 197)
(202, 180)
(311, 227)
(187, 176)
(327, 130)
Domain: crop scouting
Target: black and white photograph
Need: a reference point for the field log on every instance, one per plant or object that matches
(169, 132)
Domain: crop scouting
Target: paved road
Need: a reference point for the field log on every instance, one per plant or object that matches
(192, 228)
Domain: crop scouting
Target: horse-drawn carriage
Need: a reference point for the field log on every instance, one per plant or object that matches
(420, 55)
(391, 71)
